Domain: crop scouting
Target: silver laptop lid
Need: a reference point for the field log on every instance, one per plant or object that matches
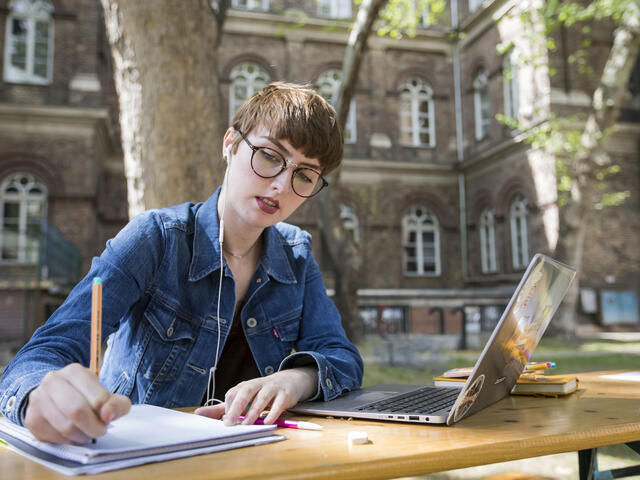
(536, 299)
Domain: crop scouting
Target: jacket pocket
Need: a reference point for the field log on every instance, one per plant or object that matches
(286, 328)
(167, 324)
(171, 337)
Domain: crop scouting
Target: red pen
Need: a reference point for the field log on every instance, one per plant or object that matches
(289, 424)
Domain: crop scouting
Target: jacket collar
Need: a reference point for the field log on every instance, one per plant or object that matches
(206, 247)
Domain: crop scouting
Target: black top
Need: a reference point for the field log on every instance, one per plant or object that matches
(236, 362)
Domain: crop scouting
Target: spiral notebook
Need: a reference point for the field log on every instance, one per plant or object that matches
(146, 434)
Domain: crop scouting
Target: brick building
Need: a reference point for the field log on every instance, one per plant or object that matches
(61, 171)
(447, 203)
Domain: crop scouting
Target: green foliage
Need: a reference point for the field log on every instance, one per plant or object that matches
(567, 13)
(401, 17)
(562, 137)
(556, 13)
(612, 199)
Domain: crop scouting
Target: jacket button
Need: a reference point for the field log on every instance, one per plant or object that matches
(268, 370)
(10, 403)
(170, 331)
(329, 384)
(252, 322)
(258, 280)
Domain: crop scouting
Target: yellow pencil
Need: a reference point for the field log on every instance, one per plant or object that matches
(96, 325)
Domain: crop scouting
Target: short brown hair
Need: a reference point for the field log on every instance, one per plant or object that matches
(295, 113)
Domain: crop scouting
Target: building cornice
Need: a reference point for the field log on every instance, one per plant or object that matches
(59, 121)
(297, 27)
(53, 119)
(479, 22)
(367, 171)
(445, 297)
(489, 155)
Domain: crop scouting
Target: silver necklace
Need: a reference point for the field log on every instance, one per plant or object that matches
(235, 255)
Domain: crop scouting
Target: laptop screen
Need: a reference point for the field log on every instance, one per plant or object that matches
(536, 299)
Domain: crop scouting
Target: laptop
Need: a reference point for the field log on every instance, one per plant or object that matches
(533, 304)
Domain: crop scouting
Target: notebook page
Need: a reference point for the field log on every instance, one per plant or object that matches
(68, 467)
(145, 427)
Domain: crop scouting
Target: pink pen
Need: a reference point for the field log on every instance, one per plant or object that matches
(289, 424)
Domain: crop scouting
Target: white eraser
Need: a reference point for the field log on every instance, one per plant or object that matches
(358, 437)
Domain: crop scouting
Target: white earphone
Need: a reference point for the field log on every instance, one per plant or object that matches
(211, 383)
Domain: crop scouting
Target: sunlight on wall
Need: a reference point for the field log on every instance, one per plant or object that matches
(542, 166)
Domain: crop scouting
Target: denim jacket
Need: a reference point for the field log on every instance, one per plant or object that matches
(160, 279)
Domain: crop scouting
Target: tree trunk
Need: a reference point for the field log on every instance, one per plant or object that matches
(607, 100)
(166, 76)
(345, 254)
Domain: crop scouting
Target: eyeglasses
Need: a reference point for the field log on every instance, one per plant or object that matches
(268, 163)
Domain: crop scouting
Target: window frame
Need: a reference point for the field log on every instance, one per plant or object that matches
(32, 12)
(481, 105)
(23, 198)
(251, 85)
(475, 5)
(423, 15)
(328, 86)
(338, 9)
(519, 232)
(414, 90)
(262, 5)
(510, 85)
(349, 220)
(488, 258)
(427, 222)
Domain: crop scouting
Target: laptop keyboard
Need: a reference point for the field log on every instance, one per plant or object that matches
(423, 400)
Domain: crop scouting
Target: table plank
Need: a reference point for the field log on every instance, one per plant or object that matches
(602, 412)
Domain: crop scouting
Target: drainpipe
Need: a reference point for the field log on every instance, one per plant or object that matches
(460, 152)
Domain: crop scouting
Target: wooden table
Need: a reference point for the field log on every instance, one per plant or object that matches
(602, 412)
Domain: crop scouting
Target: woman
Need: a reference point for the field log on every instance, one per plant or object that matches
(204, 301)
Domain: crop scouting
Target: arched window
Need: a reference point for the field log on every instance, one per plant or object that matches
(250, 4)
(28, 51)
(23, 202)
(417, 116)
(519, 240)
(246, 79)
(510, 85)
(328, 86)
(350, 222)
(334, 8)
(481, 107)
(488, 241)
(421, 234)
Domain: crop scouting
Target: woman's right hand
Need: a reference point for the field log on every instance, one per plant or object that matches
(71, 406)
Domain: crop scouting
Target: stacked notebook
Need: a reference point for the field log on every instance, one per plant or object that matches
(146, 434)
(529, 383)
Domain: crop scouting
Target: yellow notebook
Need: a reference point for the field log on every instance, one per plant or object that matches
(552, 385)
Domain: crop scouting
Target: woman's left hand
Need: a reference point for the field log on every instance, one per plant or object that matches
(275, 392)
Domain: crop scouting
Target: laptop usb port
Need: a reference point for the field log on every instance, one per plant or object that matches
(400, 417)
(414, 417)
